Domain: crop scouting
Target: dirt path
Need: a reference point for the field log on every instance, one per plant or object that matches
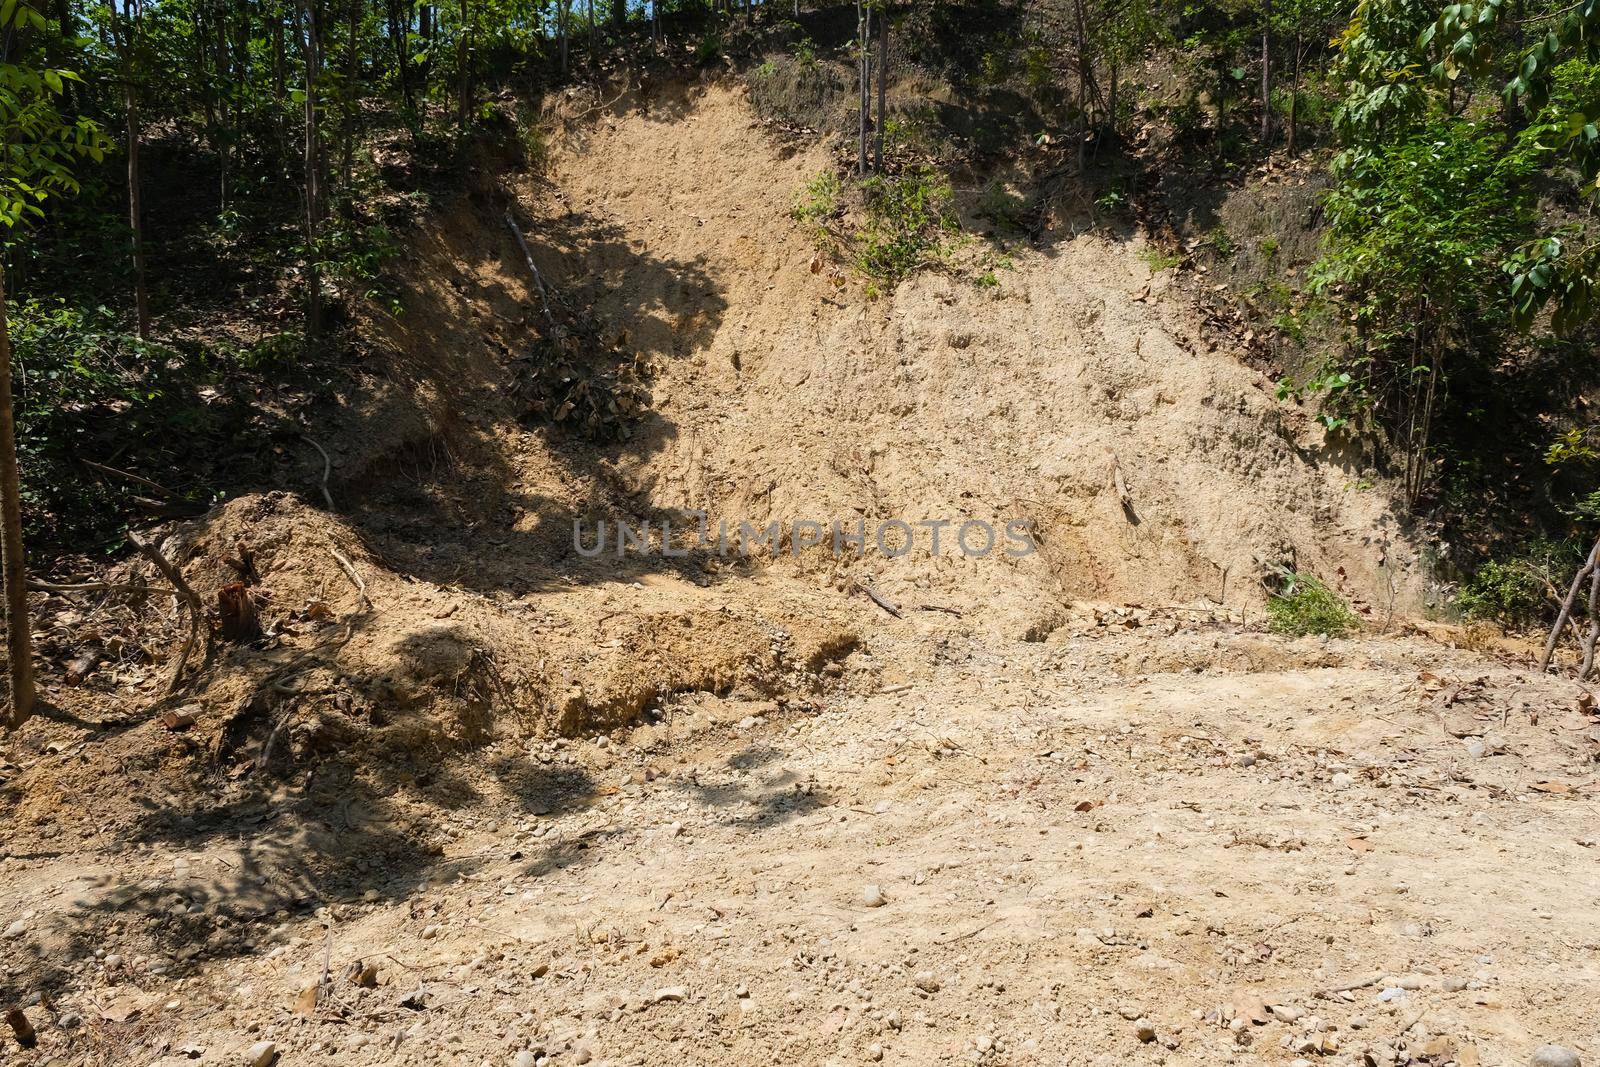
(1013, 856)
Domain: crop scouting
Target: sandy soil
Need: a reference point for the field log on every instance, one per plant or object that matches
(471, 798)
(1012, 856)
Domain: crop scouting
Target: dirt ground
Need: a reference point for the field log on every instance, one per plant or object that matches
(469, 797)
(1013, 855)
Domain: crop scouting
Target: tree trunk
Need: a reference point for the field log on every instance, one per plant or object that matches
(352, 74)
(561, 27)
(1294, 93)
(400, 33)
(1266, 72)
(883, 86)
(464, 72)
(864, 81)
(619, 15)
(1081, 38)
(19, 630)
(310, 48)
(67, 29)
(125, 32)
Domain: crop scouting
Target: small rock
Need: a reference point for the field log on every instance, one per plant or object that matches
(872, 896)
(1554, 1056)
(16, 930)
(1286, 1013)
(1145, 1030)
(1454, 985)
(261, 1054)
(1476, 748)
(926, 982)
(874, 1053)
(525, 1058)
(672, 993)
(1342, 780)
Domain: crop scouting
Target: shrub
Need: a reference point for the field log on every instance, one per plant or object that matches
(1306, 606)
(1514, 592)
(908, 216)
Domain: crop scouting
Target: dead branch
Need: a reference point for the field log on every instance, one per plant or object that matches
(136, 479)
(876, 598)
(172, 575)
(527, 257)
(327, 469)
(86, 587)
(350, 573)
(1566, 607)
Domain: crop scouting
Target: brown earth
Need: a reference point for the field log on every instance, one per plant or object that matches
(731, 810)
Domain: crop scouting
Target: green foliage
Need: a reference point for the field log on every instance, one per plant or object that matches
(1303, 605)
(1157, 260)
(817, 203)
(1515, 592)
(38, 145)
(909, 216)
(709, 49)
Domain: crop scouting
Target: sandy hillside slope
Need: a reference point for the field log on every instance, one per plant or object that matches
(471, 798)
(786, 397)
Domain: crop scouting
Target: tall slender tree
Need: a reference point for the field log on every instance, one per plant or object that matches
(38, 147)
(125, 35)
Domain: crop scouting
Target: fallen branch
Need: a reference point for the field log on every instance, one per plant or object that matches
(1594, 625)
(527, 257)
(135, 478)
(350, 573)
(327, 469)
(86, 587)
(872, 594)
(172, 575)
(941, 607)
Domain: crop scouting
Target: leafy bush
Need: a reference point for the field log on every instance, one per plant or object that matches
(1514, 592)
(1306, 606)
(908, 216)
(816, 203)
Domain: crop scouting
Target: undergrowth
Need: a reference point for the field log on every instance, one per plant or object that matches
(905, 221)
(1304, 605)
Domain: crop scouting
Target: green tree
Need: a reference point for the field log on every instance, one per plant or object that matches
(38, 147)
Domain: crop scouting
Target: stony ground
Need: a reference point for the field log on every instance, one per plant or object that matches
(1165, 843)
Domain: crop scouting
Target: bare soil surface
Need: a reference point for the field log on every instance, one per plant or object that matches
(470, 797)
(1013, 855)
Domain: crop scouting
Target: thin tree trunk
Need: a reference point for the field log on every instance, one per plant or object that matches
(125, 32)
(352, 73)
(562, 18)
(1266, 72)
(1080, 37)
(310, 49)
(1594, 626)
(464, 91)
(864, 81)
(1566, 607)
(1294, 93)
(883, 86)
(400, 33)
(19, 630)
